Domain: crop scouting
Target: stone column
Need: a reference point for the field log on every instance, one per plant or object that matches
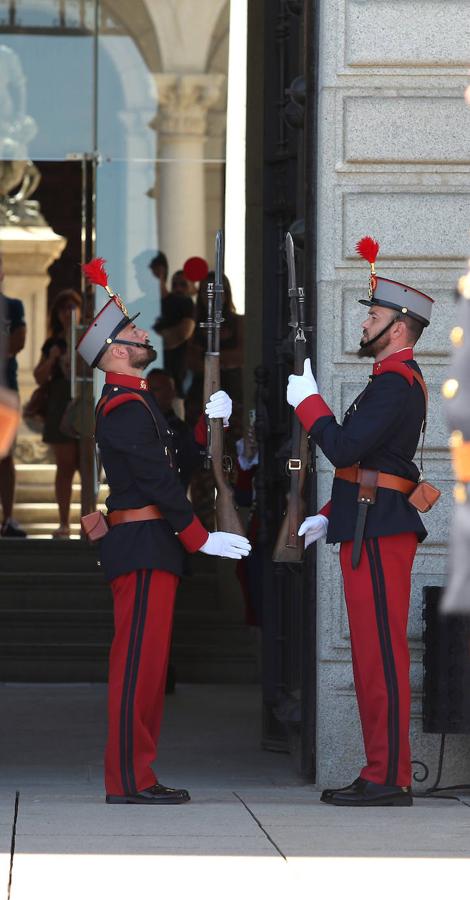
(27, 254)
(181, 125)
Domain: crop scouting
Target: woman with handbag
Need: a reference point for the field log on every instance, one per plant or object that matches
(53, 371)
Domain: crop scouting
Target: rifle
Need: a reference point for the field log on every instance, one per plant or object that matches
(289, 547)
(227, 518)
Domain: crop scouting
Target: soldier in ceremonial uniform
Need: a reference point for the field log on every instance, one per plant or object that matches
(151, 524)
(376, 525)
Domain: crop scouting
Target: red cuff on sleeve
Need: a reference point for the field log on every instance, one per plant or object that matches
(200, 431)
(194, 536)
(325, 510)
(311, 409)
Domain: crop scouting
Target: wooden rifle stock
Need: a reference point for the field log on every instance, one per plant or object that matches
(289, 547)
(227, 518)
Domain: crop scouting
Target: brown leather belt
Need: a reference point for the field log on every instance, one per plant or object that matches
(143, 514)
(393, 482)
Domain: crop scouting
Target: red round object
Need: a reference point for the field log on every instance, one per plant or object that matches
(195, 268)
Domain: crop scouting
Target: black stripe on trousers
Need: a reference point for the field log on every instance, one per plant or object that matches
(133, 681)
(128, 689)
(386, 647)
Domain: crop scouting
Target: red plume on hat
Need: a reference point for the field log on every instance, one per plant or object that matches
(368, 248)
(94, 271)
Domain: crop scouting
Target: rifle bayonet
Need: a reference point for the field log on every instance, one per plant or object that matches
(289, 547)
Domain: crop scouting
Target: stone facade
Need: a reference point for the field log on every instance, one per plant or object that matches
(394, 163)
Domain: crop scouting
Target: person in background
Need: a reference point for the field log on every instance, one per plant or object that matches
(231, 354)
(13, 312)
(53, 369)
(180, 284)
(176, 326)
(159, 268)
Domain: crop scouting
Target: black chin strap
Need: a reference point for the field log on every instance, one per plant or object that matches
(132, 343)
(379, 335)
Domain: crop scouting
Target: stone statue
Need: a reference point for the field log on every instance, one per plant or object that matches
(17, 129)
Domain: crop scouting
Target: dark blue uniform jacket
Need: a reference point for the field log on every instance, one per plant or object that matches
(381, 430)
(141, 469)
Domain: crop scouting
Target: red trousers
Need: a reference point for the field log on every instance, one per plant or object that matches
(143, 617)
(377, 598)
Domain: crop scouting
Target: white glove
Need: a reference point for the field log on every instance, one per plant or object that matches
(223, 543)
(299, 387)
(313, 527)
(219, 406)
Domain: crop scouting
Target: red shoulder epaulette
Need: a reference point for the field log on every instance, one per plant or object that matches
(400, 368)
(118, 400)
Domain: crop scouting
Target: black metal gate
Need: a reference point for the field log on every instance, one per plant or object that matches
(289, 101)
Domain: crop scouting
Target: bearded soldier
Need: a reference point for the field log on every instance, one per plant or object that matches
(152, 523)
(375, 523)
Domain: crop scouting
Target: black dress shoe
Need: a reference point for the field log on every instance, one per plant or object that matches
(353, 788)
(156, 795)
(368, 793)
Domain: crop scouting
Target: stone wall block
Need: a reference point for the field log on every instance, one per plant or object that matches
(382, 129)
(409, 223)
(406, 34)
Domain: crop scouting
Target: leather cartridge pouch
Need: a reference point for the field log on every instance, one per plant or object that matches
(424, 496)
(94, 526)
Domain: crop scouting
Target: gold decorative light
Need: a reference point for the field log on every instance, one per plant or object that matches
(457, 335)
(460, 493)
(450, 388)
(464, 286)
(456, 439)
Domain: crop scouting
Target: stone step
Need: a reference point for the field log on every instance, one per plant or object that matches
(62, 663)
(88, 595)
(74, 661)
(28, 513)
(45, 493)
(45, 530)
(46, 558)
(56, 618)
(215, 668)
(35, 504)
(53, 662)
(37, 474)
(203, 629)
(18, 555)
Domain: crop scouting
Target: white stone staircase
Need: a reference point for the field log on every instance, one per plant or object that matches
(35, 505)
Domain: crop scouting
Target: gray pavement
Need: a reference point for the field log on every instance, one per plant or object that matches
(252, 825)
